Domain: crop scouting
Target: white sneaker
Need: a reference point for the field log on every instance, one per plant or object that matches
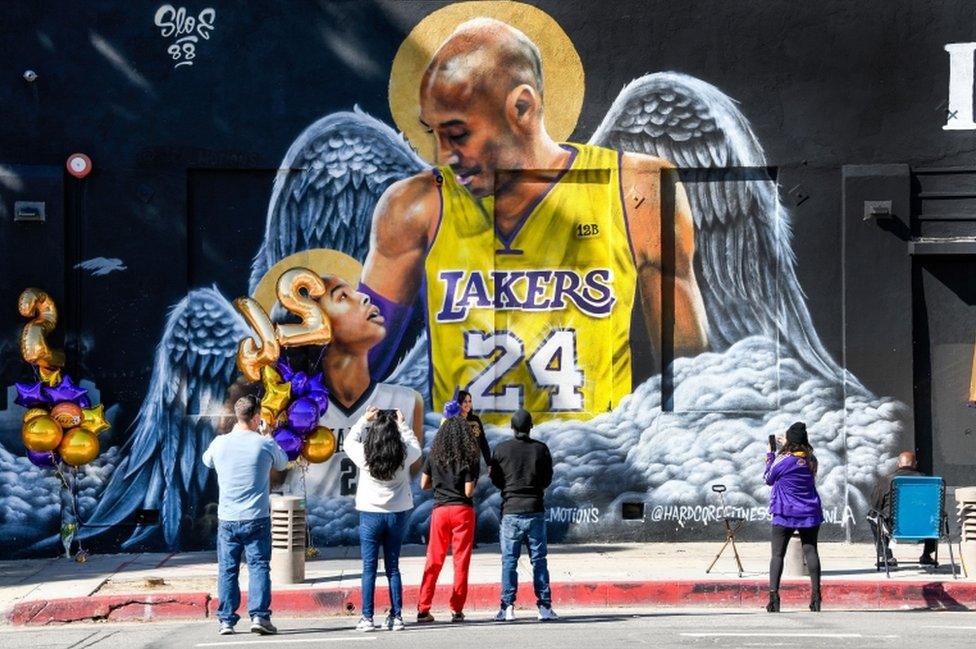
(226, 628)
(546, 614)
(394, 623)
(505, 614)
(365, 625)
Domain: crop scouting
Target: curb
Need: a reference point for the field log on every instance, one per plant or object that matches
(319, 602)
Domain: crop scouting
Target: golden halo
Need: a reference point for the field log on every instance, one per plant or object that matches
(562, 70)
(323, 261)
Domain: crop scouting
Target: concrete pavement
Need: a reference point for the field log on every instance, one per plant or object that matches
(160, 586)
(582, 628)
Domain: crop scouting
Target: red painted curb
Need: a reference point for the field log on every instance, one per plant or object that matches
(142, 607)
(306, 602)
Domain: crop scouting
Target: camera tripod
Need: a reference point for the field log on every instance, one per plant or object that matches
(732, 525)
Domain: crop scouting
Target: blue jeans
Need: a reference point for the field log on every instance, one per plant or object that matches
(252, 539)
(375, 530)
(529, 529)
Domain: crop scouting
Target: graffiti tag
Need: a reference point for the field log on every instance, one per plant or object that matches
(186, 30)
(682, 514)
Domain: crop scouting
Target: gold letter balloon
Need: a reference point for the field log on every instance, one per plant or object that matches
(315, 328)
(298, 291)
(251, 356)
(39, 307)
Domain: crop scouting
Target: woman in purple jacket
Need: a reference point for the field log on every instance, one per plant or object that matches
(795, 505)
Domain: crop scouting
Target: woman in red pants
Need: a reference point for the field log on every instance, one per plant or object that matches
(451, 470)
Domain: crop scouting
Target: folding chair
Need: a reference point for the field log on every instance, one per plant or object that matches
(917, 514)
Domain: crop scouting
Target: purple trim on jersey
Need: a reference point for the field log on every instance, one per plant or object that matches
(623, 204)
(440, 210)
(430, 340)
(507, 241)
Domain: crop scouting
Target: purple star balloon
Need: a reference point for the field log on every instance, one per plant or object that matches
(284, 369)
(303, 414)
(66, 390)
(299, 384)
(289, 442)
(44, 459)
(321, 399)
(84, 402)
(31, 395)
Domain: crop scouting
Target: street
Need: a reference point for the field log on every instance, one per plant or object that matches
(603, 629)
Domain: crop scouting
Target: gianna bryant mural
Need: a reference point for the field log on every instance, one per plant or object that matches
(467, 246)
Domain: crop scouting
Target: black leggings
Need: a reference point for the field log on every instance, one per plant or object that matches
(780, 539)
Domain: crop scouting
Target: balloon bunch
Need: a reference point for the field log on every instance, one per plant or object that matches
(293, 402)
(61, 423)
(292, 405)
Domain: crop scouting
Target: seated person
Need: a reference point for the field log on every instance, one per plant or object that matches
(882, 504)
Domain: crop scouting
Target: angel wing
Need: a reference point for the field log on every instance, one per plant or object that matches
(744, 261)
(193, 370)
(324, 195)
(328, 185)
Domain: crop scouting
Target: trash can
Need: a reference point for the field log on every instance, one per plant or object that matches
(287, 540)
(966, 507)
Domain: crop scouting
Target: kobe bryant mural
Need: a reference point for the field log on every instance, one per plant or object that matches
(636, 292)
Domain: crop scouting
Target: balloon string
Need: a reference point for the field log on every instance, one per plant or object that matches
(318, 363)
(70, 485)
(308, 531)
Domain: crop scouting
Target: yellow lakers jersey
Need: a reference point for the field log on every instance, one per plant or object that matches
(538, 318)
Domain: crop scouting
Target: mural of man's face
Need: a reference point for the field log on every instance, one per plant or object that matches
(473, 137)
(355, 320)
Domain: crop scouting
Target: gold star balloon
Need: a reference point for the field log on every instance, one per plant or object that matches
(50, 377)
(93, 419)
(276, 393)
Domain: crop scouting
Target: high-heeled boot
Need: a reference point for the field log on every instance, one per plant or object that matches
(773, 605)
(815, 602)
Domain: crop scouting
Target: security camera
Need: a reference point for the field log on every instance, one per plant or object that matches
(30, 76)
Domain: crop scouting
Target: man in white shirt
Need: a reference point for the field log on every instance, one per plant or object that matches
(243, 459)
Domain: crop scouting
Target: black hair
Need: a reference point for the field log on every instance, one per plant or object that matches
(246, 407)
(383, 448)
(796, 447)
(455, 446)
(461, 394)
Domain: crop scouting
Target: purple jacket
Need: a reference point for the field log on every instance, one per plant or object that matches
(794, 501)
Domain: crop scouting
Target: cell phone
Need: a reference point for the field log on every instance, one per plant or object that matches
(772, 443)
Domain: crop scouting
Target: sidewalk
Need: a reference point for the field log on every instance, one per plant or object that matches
(127, 587)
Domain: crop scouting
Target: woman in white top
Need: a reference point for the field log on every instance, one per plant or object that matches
(383, 447)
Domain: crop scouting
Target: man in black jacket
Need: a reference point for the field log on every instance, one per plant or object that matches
(882, 504)
(522, 469)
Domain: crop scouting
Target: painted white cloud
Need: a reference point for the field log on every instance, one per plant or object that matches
(673, 458)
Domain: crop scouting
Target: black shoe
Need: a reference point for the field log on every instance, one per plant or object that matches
(892, 563)
(815, 602)
(457, 617)
(927, 560)
(773, 605)
(424, 617)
